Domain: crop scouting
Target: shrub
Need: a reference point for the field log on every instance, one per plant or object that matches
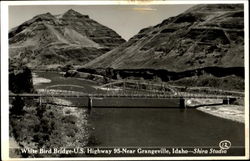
(40, 111)
(69, 119)
(67, 112)
(41, 139)
(70, 132)
(18, 105)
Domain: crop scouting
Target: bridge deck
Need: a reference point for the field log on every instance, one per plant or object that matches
(153, 96)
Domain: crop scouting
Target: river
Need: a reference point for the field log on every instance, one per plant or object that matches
(152, 127)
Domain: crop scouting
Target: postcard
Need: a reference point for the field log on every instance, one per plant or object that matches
(124, 80)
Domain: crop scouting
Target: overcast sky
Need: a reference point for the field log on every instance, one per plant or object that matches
(126, 20)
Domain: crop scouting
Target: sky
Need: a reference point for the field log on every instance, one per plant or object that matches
(126, 20)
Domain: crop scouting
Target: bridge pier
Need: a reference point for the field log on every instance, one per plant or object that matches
(182, 102)
(228, 101)
(90, 103)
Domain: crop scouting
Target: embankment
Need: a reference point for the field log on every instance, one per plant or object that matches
(234, 112)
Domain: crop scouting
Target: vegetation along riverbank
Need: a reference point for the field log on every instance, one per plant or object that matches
(34, 125)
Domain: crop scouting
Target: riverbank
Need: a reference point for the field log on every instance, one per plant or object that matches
(216, 108)
(38, 80)
(231, 112)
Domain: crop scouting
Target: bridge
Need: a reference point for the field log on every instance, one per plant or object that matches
(124, 89)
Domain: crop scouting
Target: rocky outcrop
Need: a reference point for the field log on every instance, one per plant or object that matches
(52, 40)
(209, 35)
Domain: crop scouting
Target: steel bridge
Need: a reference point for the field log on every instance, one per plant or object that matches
(124, 95)
(129, 89)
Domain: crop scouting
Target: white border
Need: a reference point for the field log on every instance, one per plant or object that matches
(5, 85)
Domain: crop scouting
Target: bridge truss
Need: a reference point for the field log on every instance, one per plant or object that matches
(59, 94)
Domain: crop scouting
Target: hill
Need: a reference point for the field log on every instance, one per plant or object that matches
(209, 35)
(52, 40)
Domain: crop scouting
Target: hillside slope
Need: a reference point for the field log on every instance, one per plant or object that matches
(51, 40)
(203, 36)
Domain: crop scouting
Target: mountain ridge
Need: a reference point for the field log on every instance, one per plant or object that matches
(202, 36)
(53, 40)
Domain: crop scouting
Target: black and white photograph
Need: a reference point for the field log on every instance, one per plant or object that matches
(125, 79)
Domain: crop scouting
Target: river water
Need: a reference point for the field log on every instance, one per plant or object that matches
(152, 127)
